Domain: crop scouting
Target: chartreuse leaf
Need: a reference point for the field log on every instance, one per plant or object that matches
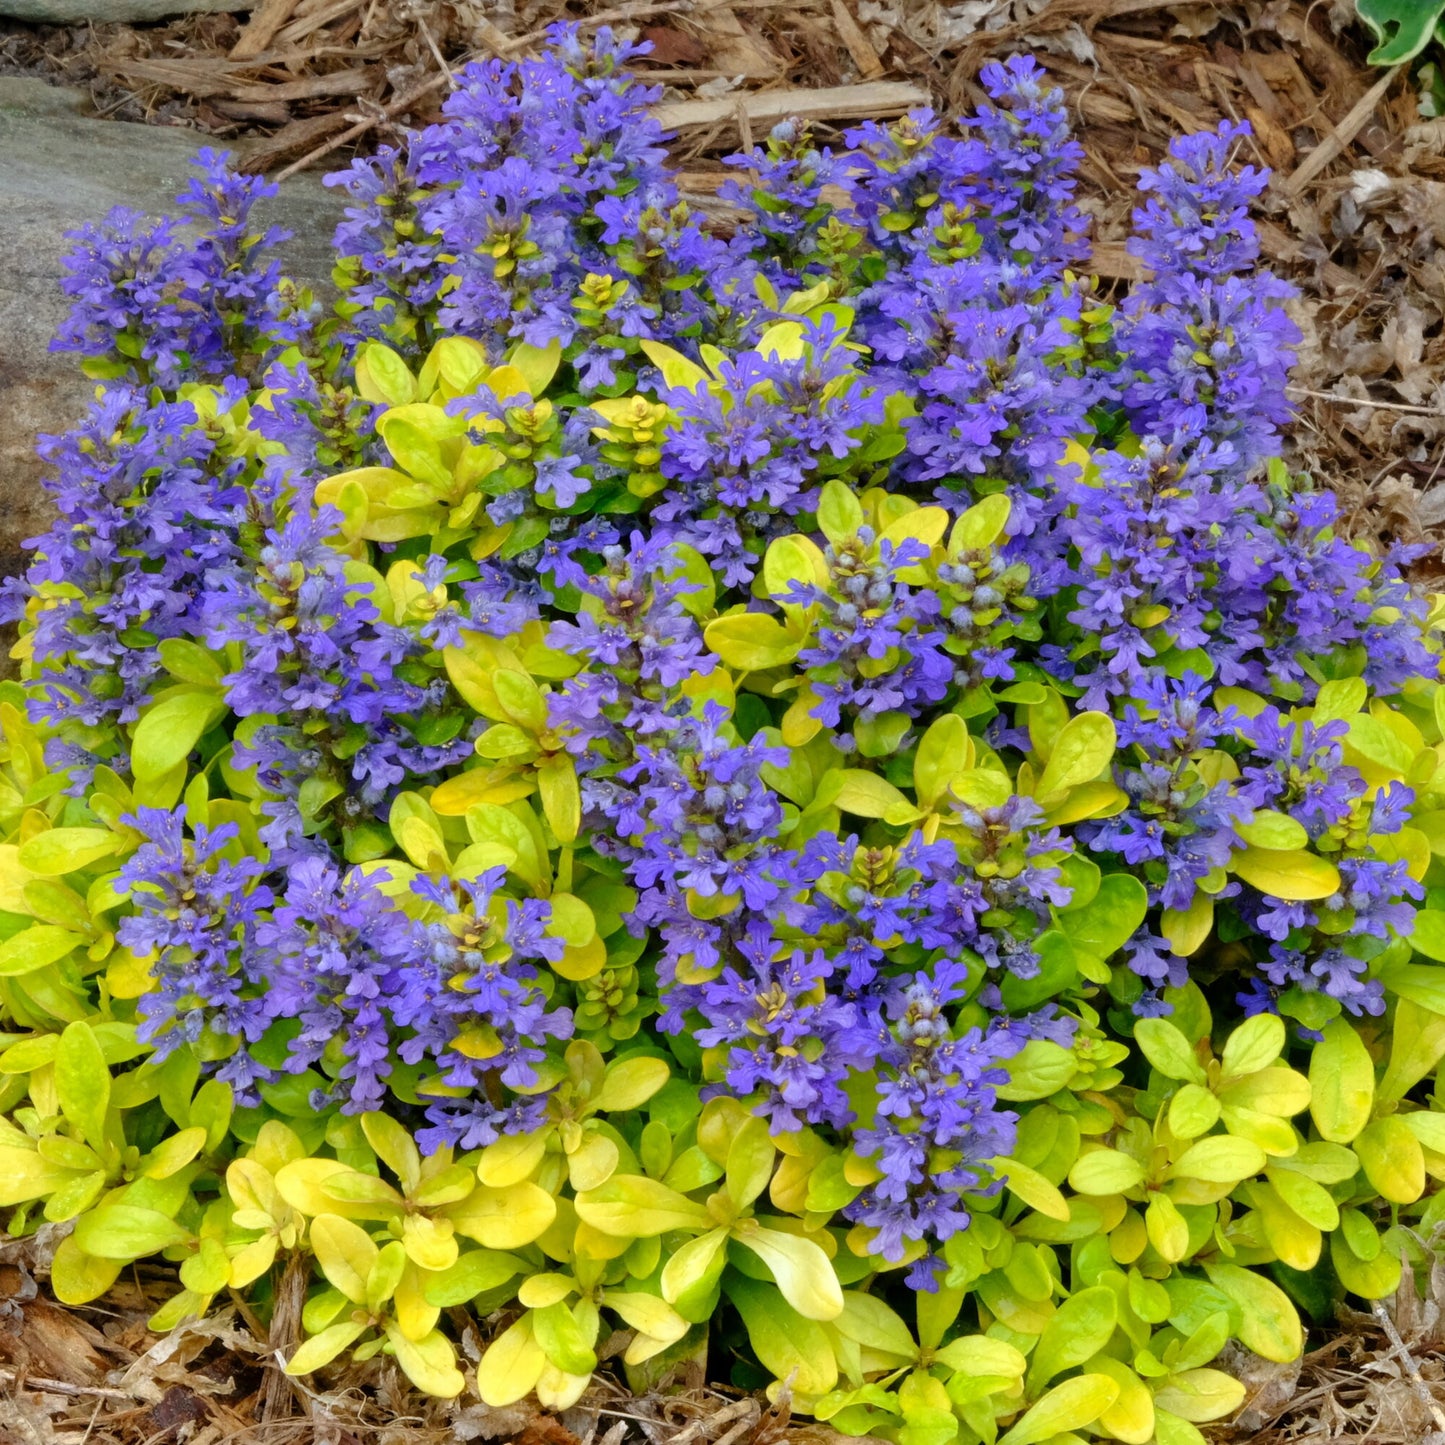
(1077, 1331)
(1291, 873)
(512, 1365)
(1268, 1323)
(751, 641)
(1031, 1187)
(35, 948)
(82, 1082)
(127, 1231)
(981, 525)
(1417, 1044)
(506, 1218)
(1168, 1050)
(1081, 751)
(631, 1206)
(1107, 922)
(59, 851)
(1390, 1153)
(1200, 1395)
(1342, 1083)
(803, 1272)
(1253, 1046)
(1072, 1405)
(168, 732)
(630, 1083)
(346, 1253)
(839, 512)
(311, 1354)
(787, 1343)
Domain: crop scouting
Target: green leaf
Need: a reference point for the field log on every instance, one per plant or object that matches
(1417, 1044)
(36, 948)
(1069, 1406)
(1268, 1323)
(168, 732)
(1428, 934)
(866, 1320)
(125, 1231)
(474, 1272)
(1342, 1083)
(1421, 983)
(83, 1082)
(1107, 922)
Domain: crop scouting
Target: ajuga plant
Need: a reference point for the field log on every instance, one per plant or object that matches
(810, 800)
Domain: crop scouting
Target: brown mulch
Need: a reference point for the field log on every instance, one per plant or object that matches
(1355, 217)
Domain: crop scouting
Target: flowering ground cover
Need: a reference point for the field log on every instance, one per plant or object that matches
(817, 799)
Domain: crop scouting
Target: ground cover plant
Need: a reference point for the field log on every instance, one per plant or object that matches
(814, 799)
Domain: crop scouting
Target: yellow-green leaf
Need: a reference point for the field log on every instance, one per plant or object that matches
(1342, 1083)
(1082, 750)
(631, 1206)
(803, 1272)
(1070, 1406)
(67, 850)
(1290, 873)
(345, 1252)
(1268, 1323)
(750, 641)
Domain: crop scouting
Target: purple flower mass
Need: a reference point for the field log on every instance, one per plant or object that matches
(539, 686)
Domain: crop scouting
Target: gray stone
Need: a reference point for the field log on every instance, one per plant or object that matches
(59, 170)
(102, 12)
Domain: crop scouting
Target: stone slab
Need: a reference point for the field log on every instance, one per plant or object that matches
(58, 169)
(110, 12)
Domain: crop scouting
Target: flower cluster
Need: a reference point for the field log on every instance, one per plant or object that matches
(728, 767)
